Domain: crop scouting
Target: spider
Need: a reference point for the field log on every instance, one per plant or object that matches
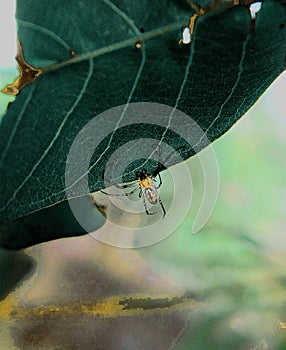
(146, 184)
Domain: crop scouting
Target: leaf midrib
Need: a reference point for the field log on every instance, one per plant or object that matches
(116, 46)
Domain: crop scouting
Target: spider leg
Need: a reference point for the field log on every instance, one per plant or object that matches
(124, 186)
(140, 193)
(162, 206)
(122, 194)
(160, 181)
(161, 165)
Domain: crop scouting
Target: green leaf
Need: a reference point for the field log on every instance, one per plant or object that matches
(215, 80)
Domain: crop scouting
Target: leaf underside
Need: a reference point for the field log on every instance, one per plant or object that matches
(214, 80)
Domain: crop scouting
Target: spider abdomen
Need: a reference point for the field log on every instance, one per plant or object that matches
(151, 195)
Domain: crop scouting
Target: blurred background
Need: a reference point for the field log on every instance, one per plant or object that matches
(234, 268)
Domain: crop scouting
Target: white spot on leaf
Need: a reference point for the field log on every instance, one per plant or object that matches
(254, 8)
(187, 37)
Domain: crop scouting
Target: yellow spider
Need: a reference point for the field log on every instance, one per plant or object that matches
(148, 189)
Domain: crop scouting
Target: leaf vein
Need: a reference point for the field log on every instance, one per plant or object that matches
(186, 75)
(139, 72)
(116, 46)
(138, 75)
(19, 118)
(239, 74)
(84, 87)
(43, 30)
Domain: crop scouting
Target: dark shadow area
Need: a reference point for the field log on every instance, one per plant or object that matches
(51, 223)
(13, 267)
